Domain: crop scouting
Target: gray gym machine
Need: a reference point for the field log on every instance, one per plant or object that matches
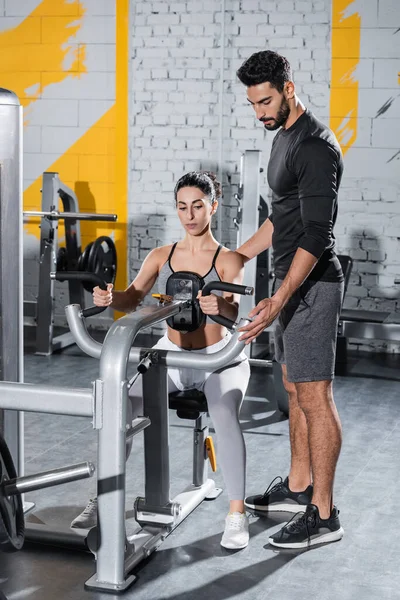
(105, 402)
(252, 212)
(99, 257)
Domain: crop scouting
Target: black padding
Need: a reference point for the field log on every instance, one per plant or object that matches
(185, 285)
(188, 404)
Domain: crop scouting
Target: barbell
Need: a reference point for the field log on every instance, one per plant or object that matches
(55, 215)
(12, 521)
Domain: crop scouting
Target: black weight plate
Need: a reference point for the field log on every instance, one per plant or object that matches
(83, 259)
(102, 261)
(12, 522)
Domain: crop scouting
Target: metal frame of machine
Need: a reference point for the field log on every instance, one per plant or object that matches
(105, 402)
(42, 310)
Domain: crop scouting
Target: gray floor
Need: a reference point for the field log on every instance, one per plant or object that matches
(191, 563)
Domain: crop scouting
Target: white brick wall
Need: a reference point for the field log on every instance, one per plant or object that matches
(369, 219)
(175, 79)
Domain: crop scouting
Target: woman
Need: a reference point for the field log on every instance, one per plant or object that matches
(196, 199)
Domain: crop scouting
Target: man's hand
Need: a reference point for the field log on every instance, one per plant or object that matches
(264, 314)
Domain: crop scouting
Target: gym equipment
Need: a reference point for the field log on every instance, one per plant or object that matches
(105, 402)
(99, 257)
(155, 512)
(101, 260)
(251, 214)
(369, 324)
(185, 285)
(11, 268)
(12, 522)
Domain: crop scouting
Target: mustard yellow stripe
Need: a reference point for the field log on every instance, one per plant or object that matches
(121, 153)
(33, 53)
(346, 34)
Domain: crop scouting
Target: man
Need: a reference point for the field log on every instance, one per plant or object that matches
(304, 173)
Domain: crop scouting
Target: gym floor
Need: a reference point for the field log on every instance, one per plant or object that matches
(191, 563)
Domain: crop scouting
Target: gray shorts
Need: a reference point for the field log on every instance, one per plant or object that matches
(306, 330)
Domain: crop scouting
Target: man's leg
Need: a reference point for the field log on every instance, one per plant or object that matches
(300, 466)
(315, 400)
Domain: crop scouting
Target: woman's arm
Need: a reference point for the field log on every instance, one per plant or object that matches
(230, 267)
(129, 299)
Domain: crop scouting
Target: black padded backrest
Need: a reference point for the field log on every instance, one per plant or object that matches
(188, 404)
(346, 263)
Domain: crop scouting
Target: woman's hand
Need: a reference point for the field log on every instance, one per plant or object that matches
(210, 305)
(103, 297)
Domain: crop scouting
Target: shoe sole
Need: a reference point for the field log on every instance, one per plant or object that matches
(235, 547)
(335, 536)
(291, 508)
(82, 526)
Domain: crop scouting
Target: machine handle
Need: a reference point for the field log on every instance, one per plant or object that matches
(223, 286)
(82, 276)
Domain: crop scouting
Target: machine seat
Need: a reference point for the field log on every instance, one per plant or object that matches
(189, 404)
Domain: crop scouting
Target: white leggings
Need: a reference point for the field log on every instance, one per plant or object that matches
(224, 390)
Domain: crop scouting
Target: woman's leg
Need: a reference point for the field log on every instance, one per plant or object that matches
(225, 390)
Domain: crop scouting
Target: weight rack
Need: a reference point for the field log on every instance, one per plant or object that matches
(42, 310)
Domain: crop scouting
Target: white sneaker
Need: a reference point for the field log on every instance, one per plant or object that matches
(236, 534)
(88, 517)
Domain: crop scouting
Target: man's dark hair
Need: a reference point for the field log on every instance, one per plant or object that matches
(265, 66)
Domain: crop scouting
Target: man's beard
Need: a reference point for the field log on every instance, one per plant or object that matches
(281, 118)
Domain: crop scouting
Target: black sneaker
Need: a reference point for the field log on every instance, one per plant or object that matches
(278, 497)
(309, 529)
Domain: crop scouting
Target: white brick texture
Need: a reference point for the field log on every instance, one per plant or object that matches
(175, 121)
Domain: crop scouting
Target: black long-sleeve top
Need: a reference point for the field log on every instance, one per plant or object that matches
(304, 173)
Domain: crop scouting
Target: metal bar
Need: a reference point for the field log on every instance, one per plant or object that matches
(138, 425)
(200, 463)
(72, 229)
(111, 454)
(250, 200)
(11, 271)
(149, 316)
(45, 534)
(48, 262)
(260, 362)
(194, 360)
(31, 397)
(370, 330)
(55, 215)
(143, 317)
(30, 483)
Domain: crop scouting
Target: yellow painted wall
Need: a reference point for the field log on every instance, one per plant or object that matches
(38, 53)
(346, 33)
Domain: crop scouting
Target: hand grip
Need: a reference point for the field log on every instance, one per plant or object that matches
(225, 287)
(81, 276)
